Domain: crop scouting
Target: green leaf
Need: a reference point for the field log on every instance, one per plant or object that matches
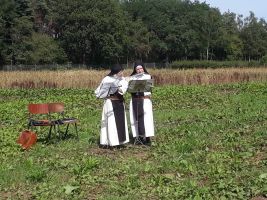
(69, 189)
(263, 176)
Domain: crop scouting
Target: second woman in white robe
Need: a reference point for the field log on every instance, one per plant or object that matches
(141, 112)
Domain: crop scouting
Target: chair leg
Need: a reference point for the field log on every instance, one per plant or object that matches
(59, 132)
(76, 131)
(66, 130)
(55, 129)
(29, 125)
(49, 134)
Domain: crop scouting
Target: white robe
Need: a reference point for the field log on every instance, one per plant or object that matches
(114, 130)
(144, 111)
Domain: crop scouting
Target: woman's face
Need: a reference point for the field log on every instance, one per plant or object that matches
(139, 69)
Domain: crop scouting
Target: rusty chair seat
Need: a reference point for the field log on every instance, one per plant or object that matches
(66, 121)
(41, 122)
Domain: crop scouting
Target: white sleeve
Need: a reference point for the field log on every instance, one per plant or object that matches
(102, 90)
(97, 91)
(147, 77)
(123, 86)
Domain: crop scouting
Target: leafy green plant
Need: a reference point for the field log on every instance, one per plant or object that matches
(210, 142)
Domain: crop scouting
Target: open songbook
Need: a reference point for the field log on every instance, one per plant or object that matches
(140, 85)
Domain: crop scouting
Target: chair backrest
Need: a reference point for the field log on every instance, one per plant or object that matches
(56, 107)
(41, 108)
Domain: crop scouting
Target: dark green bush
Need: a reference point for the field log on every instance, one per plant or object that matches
(212, 64)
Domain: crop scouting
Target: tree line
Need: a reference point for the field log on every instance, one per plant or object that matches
(110, 31)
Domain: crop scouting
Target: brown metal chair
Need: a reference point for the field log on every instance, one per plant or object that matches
(62, 119)
(39, 116)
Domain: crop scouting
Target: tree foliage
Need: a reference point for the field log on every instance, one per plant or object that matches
(109, 31)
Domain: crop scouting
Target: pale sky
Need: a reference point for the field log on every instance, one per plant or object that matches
(258, 7)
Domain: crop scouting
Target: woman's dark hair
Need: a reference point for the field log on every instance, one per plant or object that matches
(115, 69)
(137, 63)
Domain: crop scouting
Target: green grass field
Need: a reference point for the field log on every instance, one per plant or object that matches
(211, 143)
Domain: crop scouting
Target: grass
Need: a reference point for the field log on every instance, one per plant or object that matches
(91, 78)
(210, 144)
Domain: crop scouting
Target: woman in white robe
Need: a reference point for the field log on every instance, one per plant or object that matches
(141, 113)
(114, 130)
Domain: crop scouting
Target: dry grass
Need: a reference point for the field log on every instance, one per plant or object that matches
(210, 76)
(91, 78)
(51, 79)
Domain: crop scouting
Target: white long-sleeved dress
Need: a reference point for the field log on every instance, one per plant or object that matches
(141, 113)
(114, 130)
